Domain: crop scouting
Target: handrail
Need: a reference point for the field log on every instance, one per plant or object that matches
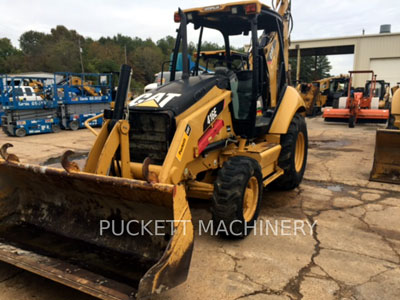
(90, 120)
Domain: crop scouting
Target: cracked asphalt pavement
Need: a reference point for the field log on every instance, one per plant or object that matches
(353, 251)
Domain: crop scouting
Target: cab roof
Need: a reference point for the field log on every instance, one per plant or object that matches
(227, 7)
(232, 18)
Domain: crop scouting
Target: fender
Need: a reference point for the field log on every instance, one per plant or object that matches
(290, 105)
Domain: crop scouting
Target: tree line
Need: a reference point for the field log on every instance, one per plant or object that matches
(60, 51)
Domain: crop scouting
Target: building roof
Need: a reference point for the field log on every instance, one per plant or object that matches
(347, 37)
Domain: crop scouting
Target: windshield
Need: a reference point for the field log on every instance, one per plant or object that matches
(377, 91)
(339, 86)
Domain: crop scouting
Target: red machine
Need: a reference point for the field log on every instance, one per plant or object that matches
(358, 105)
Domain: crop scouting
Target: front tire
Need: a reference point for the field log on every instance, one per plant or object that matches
(293, 157)
(20, 132)
(74, 125)
(352, 121)
(335, 103)
(55, 128)
(237, 196)
(391, 122)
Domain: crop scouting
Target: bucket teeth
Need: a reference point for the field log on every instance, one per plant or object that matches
(69, 166)
(150, 176)
(8, 156)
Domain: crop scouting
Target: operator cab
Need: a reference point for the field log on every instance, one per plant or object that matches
(257, 86)
(380, 88)
(253, 100)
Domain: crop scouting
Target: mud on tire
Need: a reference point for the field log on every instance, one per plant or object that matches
(230, 188)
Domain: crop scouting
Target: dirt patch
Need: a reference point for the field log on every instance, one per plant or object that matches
(328, 144)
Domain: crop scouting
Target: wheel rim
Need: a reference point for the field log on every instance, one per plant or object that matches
(300, 151)
(250, 199)
(74, 125)
(20, 132)
(56, 128)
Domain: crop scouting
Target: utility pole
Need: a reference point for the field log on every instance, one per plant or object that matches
(126, 58)
(80, 55)
(298, 64)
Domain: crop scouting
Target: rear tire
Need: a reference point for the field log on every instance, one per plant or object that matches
(335, 103)
(56, 128)
(237, 196)
(352, 121)
(74, 125)
(391, 123)
(20, 132)
(293, 157)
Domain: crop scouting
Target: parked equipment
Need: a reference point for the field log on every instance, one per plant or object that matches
(381, 92)
(223, 136)
(164, 77)
(386, 167)
(82, 96)
(360, 104)
(395, 88)
(41, 105)
(310, 94)
(324, 92)
(27, 109)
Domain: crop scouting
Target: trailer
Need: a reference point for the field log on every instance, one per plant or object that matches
(81, 97)
(27, 106)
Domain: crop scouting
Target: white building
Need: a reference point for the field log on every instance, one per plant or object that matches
(377, 52)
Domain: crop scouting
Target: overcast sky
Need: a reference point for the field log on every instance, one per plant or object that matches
(154, 19)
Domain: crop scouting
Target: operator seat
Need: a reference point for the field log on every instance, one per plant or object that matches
(241, 85)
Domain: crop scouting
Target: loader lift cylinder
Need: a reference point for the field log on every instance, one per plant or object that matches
(122, 92)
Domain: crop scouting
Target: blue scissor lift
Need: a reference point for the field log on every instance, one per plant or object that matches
(82, 96)
(24, 111)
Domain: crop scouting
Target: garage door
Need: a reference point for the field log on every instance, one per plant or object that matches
(387, 69)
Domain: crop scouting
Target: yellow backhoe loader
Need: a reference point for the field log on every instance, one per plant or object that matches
(223, 136)
(386, 167)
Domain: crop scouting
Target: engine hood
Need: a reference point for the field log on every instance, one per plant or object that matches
(177, 96)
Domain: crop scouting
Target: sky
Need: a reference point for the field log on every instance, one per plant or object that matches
(154, 19)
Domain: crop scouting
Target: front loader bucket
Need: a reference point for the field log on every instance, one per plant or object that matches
(89, 231)
(386, 166)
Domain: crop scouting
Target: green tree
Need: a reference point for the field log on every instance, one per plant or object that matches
(10, 57)
(103, 58)
(59, 51)
(146, 61)
(311, 68)
(166, 45)
(31, 42)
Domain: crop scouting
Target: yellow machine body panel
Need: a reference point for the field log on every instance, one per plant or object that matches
(291, 104)
(271, 52)
(395, 111)
(85, 85)
(386, 167)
